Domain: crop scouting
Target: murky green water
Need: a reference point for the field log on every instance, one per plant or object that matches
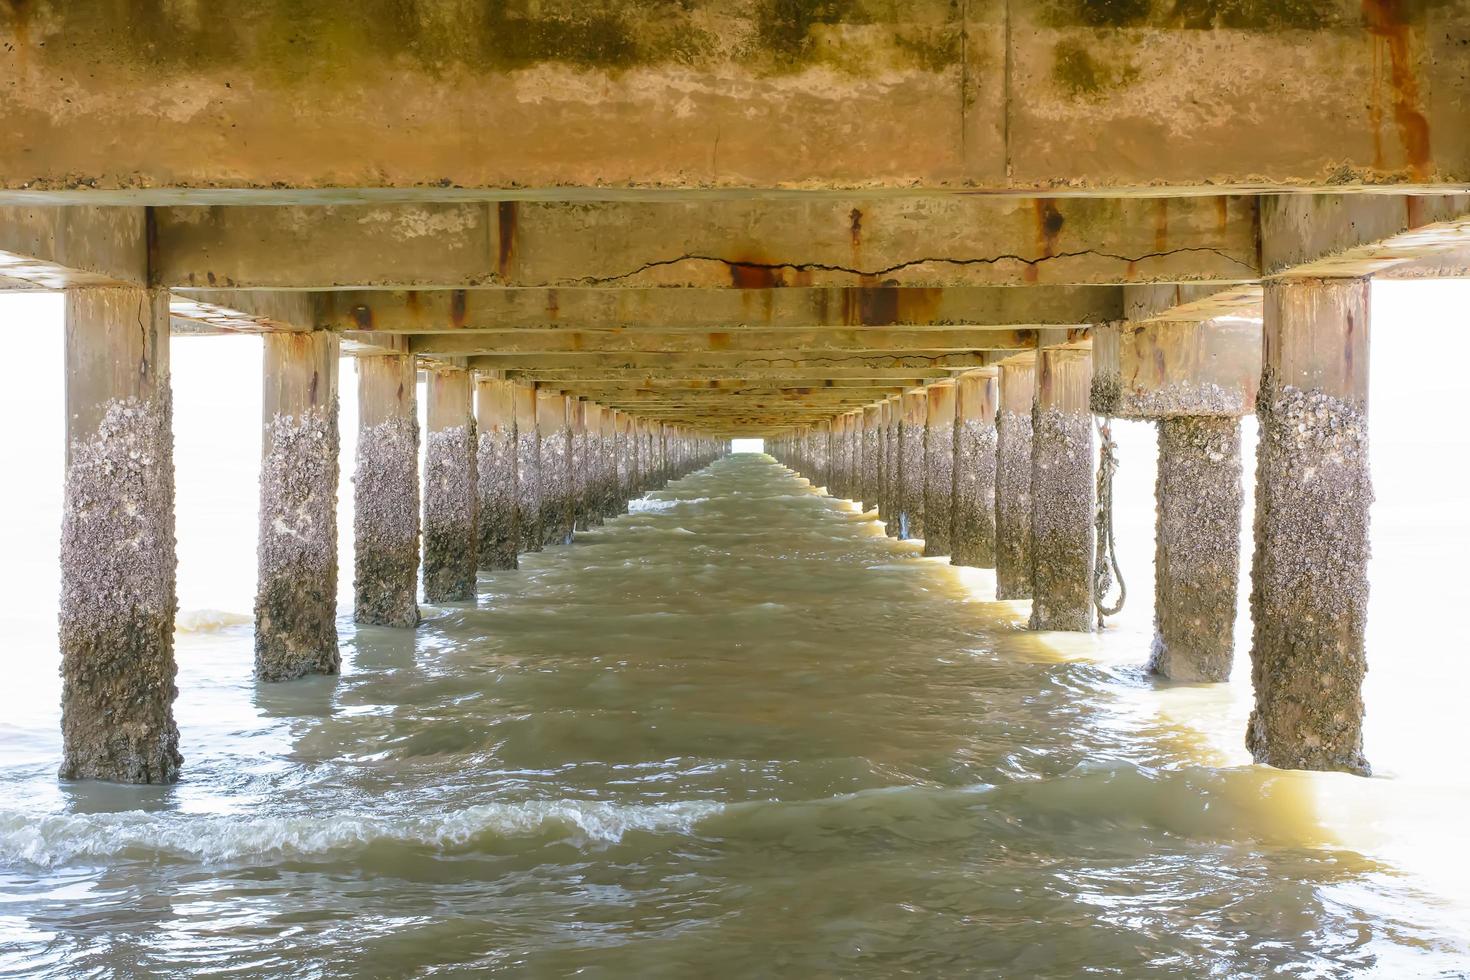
(736, 733)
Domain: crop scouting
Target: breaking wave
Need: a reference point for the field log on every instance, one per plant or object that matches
(48, 840)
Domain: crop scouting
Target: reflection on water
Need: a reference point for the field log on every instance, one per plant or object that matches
(737, 732)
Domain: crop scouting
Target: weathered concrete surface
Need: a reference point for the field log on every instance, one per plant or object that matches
(594, 493)
(495, 469)
(451, 491)
(728, 93)
(1309, 582)
(724, 242)
(891, 525)
(557, 506)
(1196, 548)
(913, 413)
(579, 465)
(296, 592)
(972, 531)
(1013, 481)
(117, 541)
(528, 468)
(1161, 369)
(626, 459)
(1062, 493)
(939, 468)
(872, 458)
(386, 493)
(650, 308)
(56, 248)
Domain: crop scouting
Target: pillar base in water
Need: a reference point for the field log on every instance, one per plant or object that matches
(386, 524)
(499, 535)
(972, 534)
(1013, 505)
(450, 528)
(1061, 521)
(1309, 594)
(117, 598)
(1197, 550)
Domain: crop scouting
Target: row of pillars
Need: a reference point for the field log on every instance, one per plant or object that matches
(995, 469)
(508, 469)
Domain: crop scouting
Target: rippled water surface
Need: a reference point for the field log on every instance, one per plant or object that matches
(737, 732)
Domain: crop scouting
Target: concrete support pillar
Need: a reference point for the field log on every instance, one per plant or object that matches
(1309, 582)
(580, 464)
(556, 469)
(913, 419)
(596, 493)
(451, 490)
(1197, 547)
(386, 493)
(855, 457)
(893, 429)
(625, 446)
(296, 591)
(496, 470)
(117, 541)
(872, 462)
(972, 534)
(528, 467)
(1013, 481)
(939, 468)
(1062, 506)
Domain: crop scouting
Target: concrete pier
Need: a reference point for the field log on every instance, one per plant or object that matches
(528, 468)
(1309, 583)
(626, 451)
(495, 471)
(913, 419)
(595, 448)
(296, 591)
(939, 468)
(972, 531)
(556, 468)
(872, 457)
(1017, 384)
(386, 493)
(579, 464)
(1197, 547)
(117, 541)
(1062, 493)
(893, 429)
(451, 488)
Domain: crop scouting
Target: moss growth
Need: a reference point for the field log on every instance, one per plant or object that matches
(1077, 73)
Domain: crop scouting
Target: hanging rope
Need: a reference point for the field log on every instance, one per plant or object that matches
(1105, 555)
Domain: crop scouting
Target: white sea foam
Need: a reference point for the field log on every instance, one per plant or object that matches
(47, 840)
(208, 620)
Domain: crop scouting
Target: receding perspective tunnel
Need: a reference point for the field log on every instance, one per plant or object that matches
(704, 449)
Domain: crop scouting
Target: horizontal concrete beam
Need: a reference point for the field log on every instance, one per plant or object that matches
(1351, 235)
(791, 343)
(797, 374)
(728, 93)
(53, 248)
(651, 308)
(937, 241)
(738, 362)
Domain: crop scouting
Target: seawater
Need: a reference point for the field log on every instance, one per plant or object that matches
(736, 732)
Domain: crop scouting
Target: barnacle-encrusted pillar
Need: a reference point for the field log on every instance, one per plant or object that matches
(1196, 547)
(556, 468)
(1013, 481)
(296, 592)
(837, 480)
(594, 492)
(528, 467)
(451, 491)
(939, 468)
(625, 453)
(872, 460)
(1062, 491)
(578, 463)
(1309, 581)
(972, 530)
(386, 493)
(913, 419)
(117, 541)
(892, 426)
(1195, 379)
(495, 470)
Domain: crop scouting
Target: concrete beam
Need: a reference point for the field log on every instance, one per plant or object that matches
(790, 343)
(651, 308)
(720, 94)
(53, 248)
(941, 241)
(737, 361)
(1156, 370)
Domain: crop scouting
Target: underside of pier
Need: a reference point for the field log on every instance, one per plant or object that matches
(917, 247)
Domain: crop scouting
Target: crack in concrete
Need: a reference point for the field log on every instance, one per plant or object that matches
(900, 266)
